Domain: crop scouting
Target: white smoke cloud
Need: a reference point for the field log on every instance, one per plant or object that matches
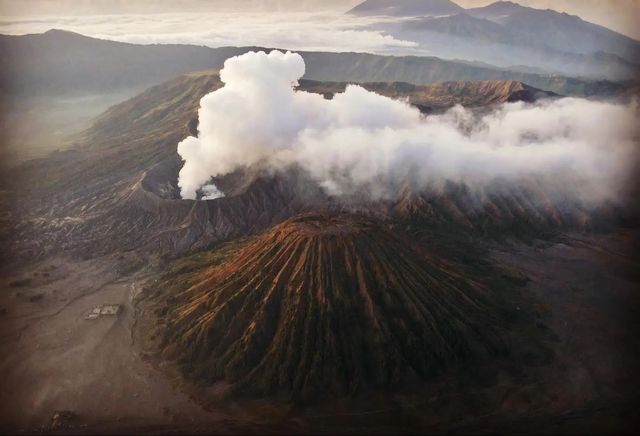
(211, 192)
(360, 138)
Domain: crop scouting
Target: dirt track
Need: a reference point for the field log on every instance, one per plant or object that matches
(54, 359)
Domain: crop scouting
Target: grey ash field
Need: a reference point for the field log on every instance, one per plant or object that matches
(279, 307)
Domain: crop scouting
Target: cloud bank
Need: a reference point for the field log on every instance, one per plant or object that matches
(360, 139)
(619, 15)
(321, 31)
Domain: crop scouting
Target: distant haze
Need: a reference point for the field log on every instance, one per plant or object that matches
(619, 15)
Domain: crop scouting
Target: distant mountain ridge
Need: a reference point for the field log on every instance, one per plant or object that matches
(506, 33)
(59, 62)
(555, 28)
(364, 67)
(46, 70)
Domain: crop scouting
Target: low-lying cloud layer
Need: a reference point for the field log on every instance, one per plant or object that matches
(360, 139)
(322, 31)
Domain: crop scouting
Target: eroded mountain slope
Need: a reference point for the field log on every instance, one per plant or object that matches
(328, 304)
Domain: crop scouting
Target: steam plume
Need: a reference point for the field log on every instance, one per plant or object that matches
(360, 138)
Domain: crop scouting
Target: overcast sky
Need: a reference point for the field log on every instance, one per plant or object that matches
(620, 15)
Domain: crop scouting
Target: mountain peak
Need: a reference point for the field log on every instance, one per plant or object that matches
(406, 8)
(63, 33)
(58, 31)
(496, 9)
(506, 4)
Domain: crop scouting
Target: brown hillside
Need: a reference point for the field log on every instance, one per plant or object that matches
(441, 96)
(328, 305)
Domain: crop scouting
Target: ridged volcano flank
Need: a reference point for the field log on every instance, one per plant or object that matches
(328, 305)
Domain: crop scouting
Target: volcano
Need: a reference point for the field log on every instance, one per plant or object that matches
(328, 304)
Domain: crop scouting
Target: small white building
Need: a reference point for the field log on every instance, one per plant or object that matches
(110, 309)
(103, 310)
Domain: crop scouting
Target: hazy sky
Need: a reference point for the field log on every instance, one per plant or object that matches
(620, 15)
